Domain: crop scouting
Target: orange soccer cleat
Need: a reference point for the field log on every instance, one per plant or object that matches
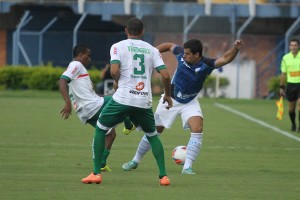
(164, 181)
(92, 178)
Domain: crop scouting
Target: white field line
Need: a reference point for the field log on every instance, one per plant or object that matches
(258, 121)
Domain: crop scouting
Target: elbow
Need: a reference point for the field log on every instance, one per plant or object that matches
(228, 60)
(168, 78)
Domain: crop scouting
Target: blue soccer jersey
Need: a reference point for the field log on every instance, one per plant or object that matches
(188, 79)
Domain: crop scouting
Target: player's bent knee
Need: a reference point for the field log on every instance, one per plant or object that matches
(112, 133)
(160, 129)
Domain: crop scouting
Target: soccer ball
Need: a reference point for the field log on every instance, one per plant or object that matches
(179, 154)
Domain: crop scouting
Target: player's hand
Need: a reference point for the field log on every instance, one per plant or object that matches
(238, 44)
(281, 92)
(168, 99)
(66, 111)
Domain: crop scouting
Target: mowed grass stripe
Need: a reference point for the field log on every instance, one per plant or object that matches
(257, 121)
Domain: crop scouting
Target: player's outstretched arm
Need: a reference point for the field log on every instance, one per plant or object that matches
(230, 54)
(167, 86)
(165, 47)
(63, 88)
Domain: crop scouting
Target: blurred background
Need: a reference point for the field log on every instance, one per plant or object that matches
(43, 32)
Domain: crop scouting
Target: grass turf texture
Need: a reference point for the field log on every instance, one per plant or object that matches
(43, 156)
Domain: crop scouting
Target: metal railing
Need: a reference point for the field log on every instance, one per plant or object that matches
(272, 63)
(159, 1)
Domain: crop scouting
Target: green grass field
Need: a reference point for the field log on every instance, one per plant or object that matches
(43, 156)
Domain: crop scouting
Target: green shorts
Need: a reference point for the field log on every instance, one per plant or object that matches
(114, 113)
(93, 121)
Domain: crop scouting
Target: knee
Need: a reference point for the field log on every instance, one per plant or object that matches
(160, 129)
(112, 134)
(196, 124)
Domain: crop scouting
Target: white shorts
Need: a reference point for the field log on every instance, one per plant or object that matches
(165, 118)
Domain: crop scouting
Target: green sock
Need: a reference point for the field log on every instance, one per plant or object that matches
(128, 124)
(98, 149)
(104, 157)
(158, 152)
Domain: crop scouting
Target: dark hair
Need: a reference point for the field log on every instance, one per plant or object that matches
(294, 40)
(79, 48)
(194, 45)
(135, 26)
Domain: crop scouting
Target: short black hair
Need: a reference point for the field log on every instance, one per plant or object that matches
(194, 45)
(294, 40)
(135, 26)
(79, 48)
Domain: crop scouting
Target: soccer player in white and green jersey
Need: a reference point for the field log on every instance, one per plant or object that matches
(77, 90)
(132, 63)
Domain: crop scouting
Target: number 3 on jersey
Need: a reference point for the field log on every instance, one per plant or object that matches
(141, 68)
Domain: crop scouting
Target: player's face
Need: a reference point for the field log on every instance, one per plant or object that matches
(294, 47)
(86, 58)
(190, 58)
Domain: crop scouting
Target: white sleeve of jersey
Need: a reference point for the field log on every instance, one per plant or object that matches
(115, 52)
(158, 61)
(73, 70)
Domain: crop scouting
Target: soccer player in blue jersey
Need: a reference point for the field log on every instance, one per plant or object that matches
(192, 70)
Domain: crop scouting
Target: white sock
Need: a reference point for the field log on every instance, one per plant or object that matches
(193, 149)
(143, 148)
